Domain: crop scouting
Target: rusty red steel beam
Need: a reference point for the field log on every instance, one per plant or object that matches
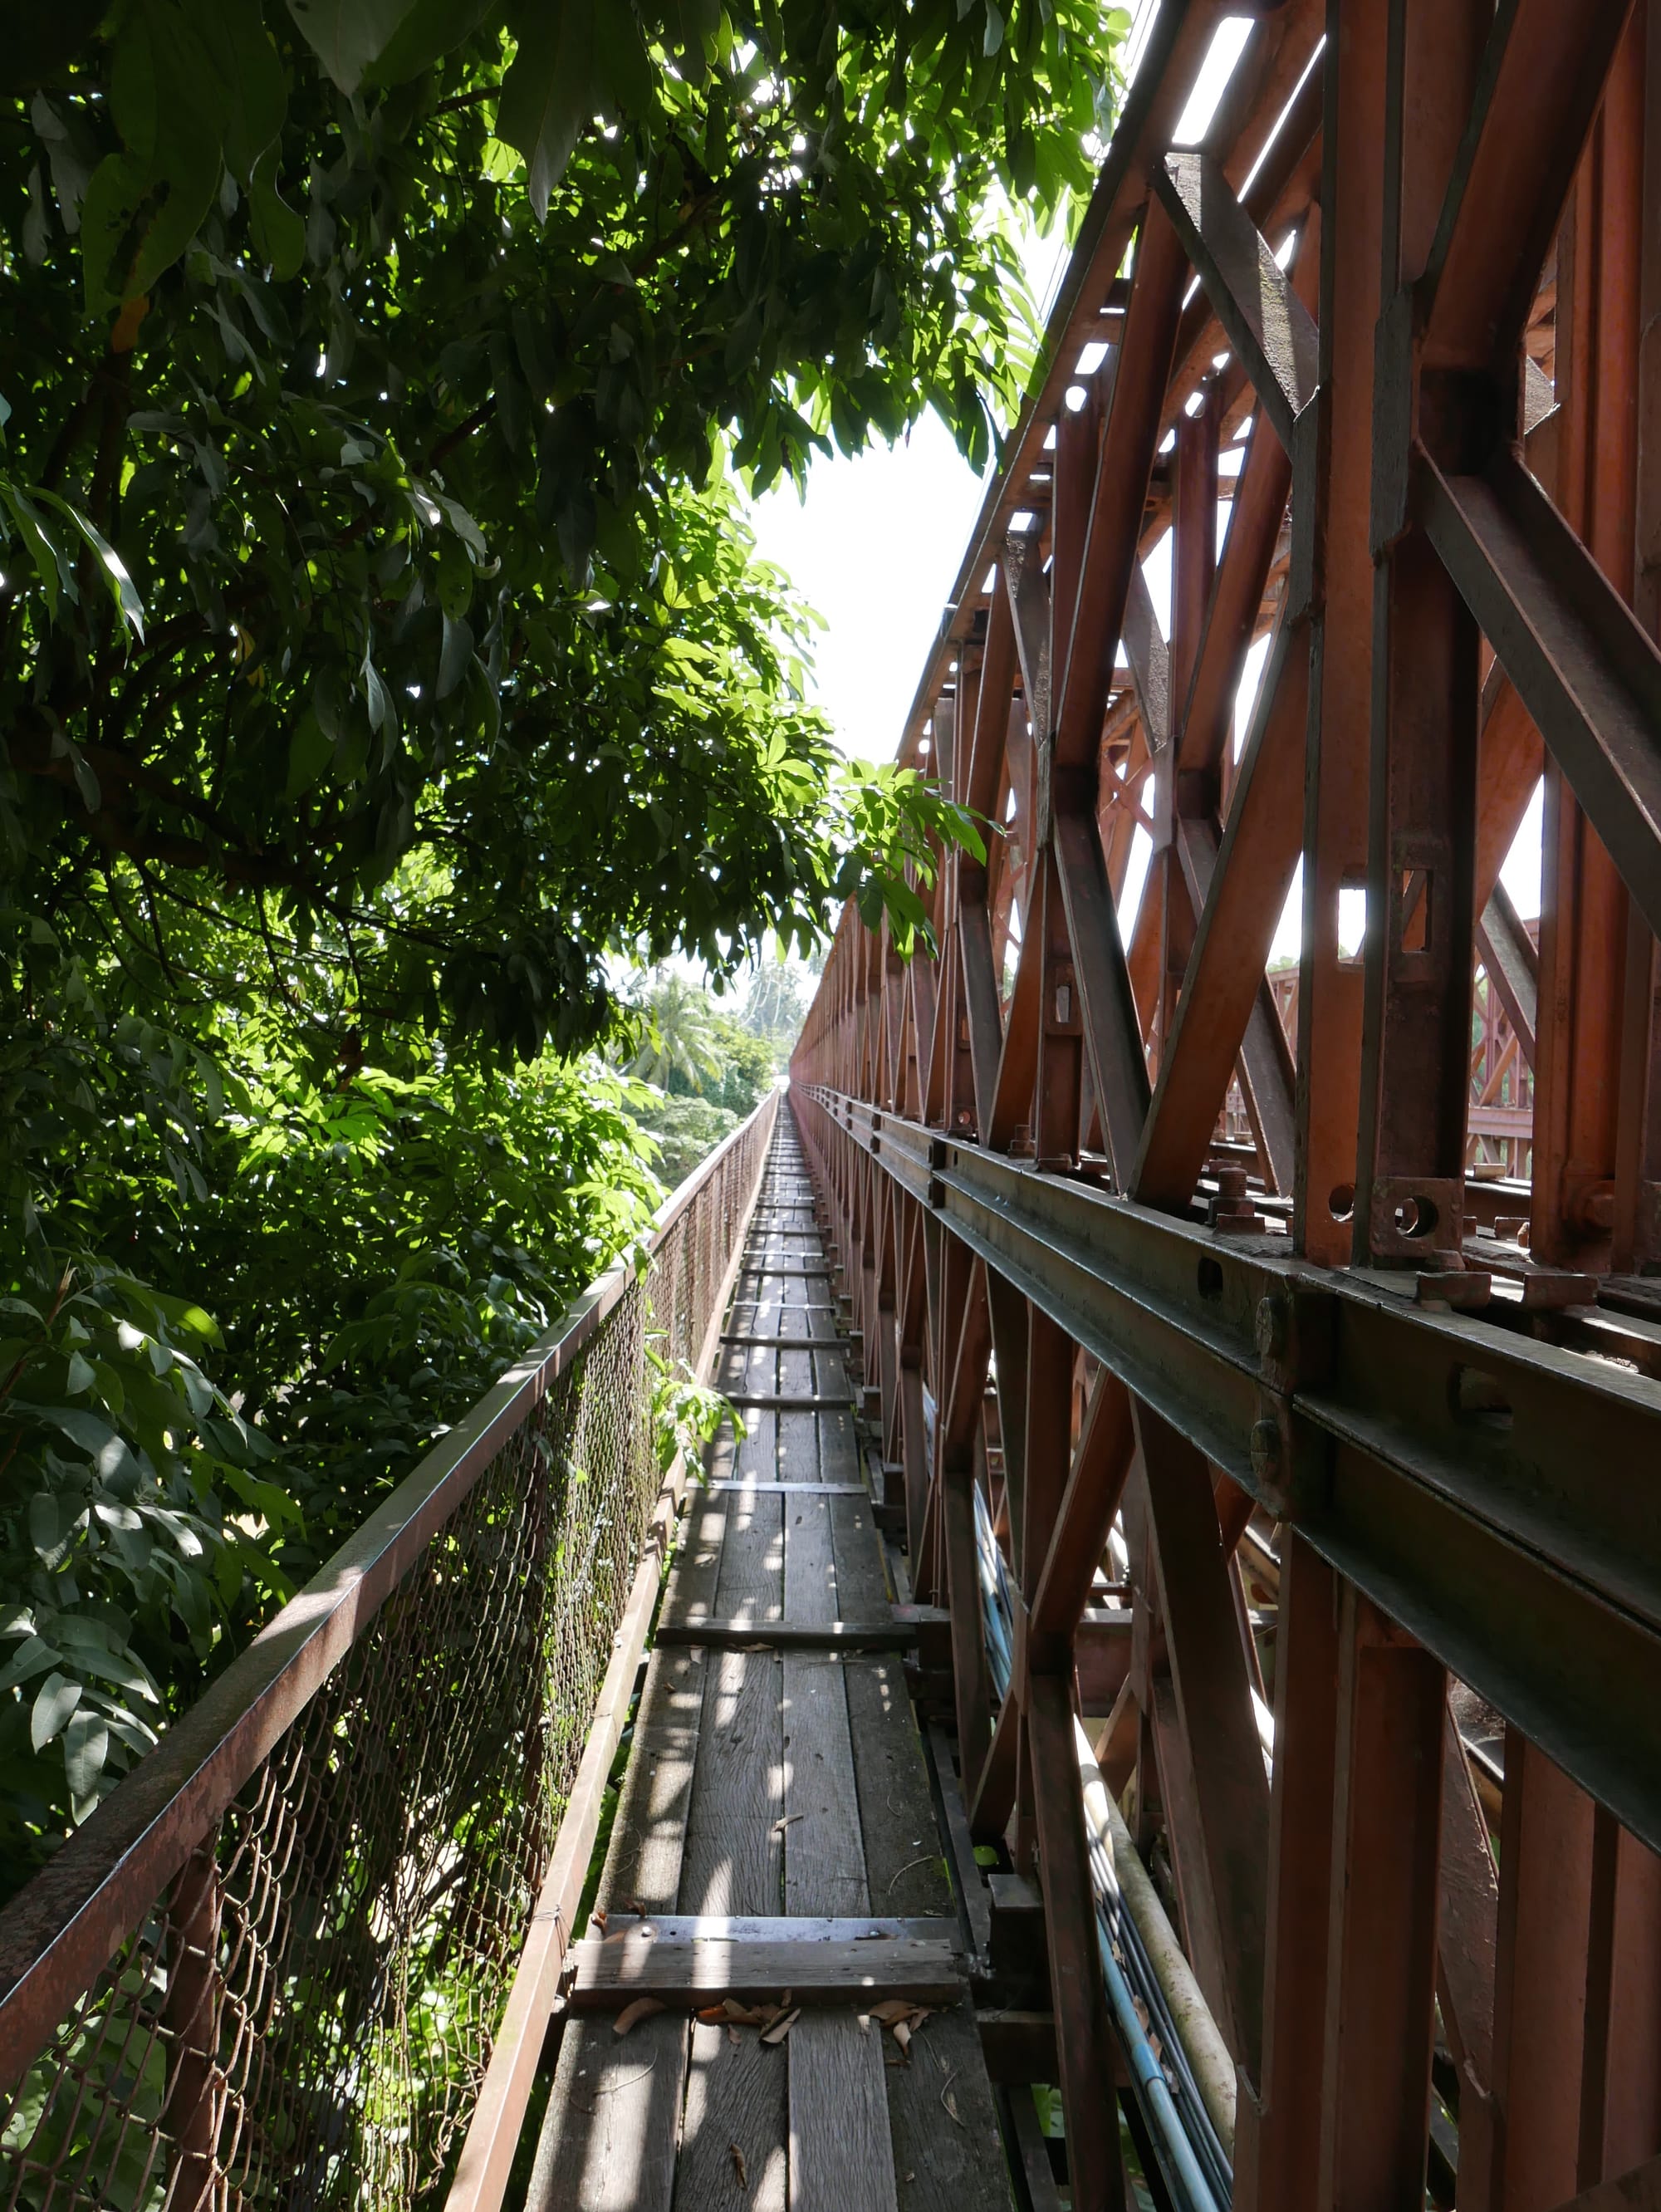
(1249, 881)
(1584, 670)
(1121, 489)
(1267, 326)
(1541, 76)
(1181, 33)
(1424, 812)
(1416, 1087)
(1084, 2036)
(1208, 1668)
(1375, 2081)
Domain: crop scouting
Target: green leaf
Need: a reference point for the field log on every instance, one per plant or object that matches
(279, 232)
(124, 593)
(348, 35)
(310, 752)
(33, 1657)
(173, 106)
(86, 1747)
(45, 1528)
(431, 29)
(245, 62)
(56, 1699)
(689, 28)
(137, 219)
(53, 564)
(548, 95)
(454, 655)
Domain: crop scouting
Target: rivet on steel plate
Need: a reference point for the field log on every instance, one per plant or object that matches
(1265, 1450)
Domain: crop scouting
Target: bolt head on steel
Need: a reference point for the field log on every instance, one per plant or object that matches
(1274, 1326)
(1265, 1450)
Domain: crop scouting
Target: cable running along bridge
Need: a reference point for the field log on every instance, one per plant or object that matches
(1162, 1705)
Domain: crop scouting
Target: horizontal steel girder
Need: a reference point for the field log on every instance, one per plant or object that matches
(1499, 1497)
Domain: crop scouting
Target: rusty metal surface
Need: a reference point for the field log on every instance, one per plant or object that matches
(1375, 1238)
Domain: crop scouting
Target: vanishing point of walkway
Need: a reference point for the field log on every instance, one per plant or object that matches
(776, 1844)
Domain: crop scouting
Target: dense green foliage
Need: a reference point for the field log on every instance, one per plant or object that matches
(374, 1249)
(382, 653)
(415, 492)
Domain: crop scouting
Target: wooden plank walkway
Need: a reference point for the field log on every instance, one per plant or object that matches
(775, 1783)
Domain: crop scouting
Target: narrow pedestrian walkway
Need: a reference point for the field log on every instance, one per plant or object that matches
(776, 1879)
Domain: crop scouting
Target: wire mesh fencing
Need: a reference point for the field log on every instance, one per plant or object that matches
(268, 1970)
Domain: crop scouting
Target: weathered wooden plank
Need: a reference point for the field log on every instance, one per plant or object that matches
(752, 1581)
(838, 1442)
(648, 1959)
(736, 2091)
(608, 2141)
(811, 1585)
(848, 1489)
(798, 1430)
(696, 1576)
(825, 1340)
(939, 2165)
(792, 1636)
(734, 1853)
(798, 1928)
(642, 1866)
(824, 1864)
(614, 2107)
(861, 1586)
(794, 1403)
(905, 1865)
(735, 2102)
(840, 2151)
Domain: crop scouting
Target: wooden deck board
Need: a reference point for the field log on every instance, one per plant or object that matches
(786, 1788)
(683, 1962)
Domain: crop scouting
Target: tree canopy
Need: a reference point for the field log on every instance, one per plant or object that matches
(383, 656)
(373, 371)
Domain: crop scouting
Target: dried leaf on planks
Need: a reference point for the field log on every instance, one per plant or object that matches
(631, 2014)
(902, 2018)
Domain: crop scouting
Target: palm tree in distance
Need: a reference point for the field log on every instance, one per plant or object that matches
(678, 1038)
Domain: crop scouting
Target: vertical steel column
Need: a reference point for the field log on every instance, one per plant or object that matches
(1583, 902)
(1340, 693)
(1278, 2129)
(1381, 1944)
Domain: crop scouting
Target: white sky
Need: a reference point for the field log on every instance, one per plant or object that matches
(874, 549)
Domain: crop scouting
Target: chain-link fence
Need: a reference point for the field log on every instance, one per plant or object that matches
(268, 1970)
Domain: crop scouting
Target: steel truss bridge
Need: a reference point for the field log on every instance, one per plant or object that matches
(1212, 1512)
(1197, 1296)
